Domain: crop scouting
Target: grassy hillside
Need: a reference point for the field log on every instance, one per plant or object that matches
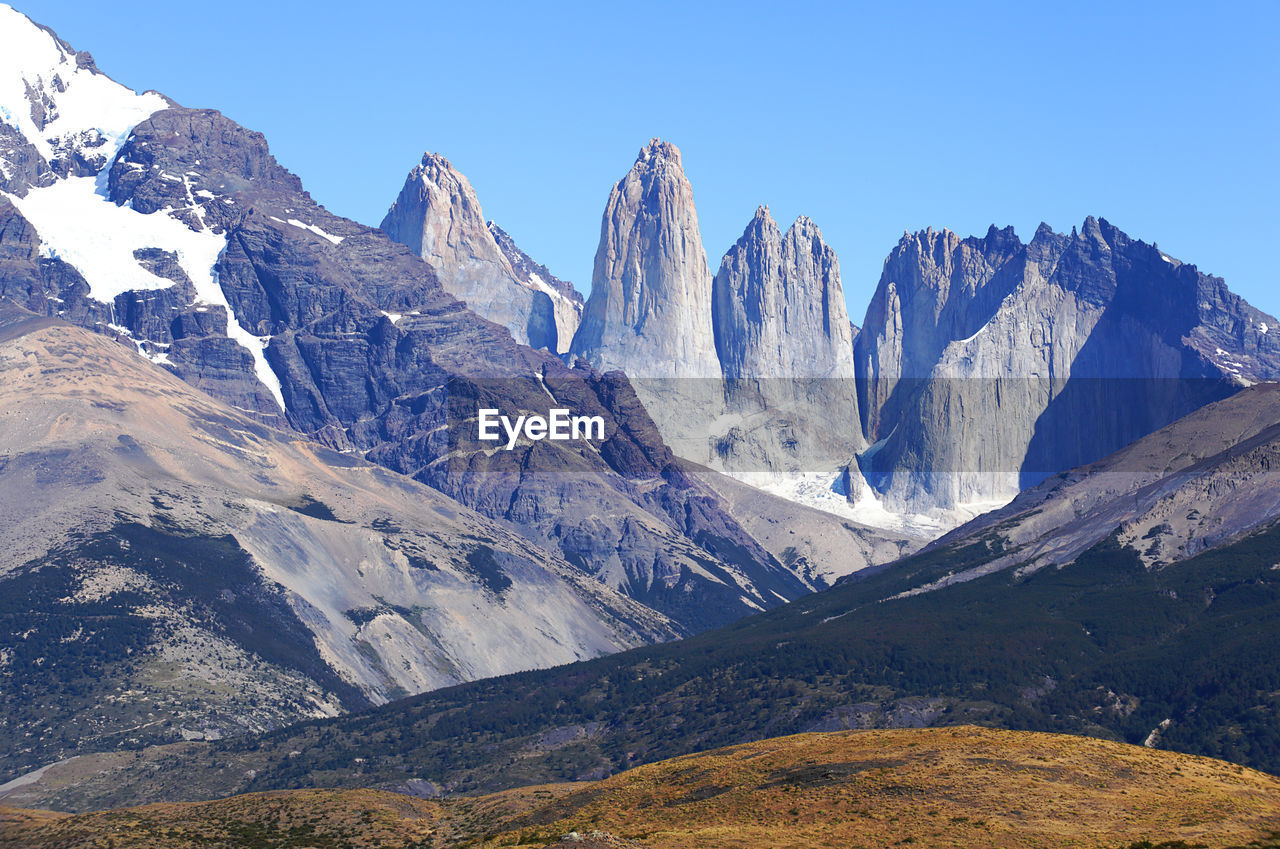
(1102, 647)
(961, 786)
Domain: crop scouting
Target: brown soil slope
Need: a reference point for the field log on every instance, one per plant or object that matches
(916, 787)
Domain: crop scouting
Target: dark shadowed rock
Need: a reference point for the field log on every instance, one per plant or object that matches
(990, 364)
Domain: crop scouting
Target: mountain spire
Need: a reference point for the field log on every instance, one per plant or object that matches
(649, 312)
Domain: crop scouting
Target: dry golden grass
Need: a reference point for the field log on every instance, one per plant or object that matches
(293, 819)
(923, 788)
(948, 787)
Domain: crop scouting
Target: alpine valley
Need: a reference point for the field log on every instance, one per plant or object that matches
(252, 539)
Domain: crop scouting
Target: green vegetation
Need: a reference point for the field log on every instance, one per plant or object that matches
(66, 646)
(1102, 647)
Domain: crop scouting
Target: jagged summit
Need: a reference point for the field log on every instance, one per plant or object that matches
(197, 250)
(59, 116)
(1029, 340)
(649, 308)
(658, 153)
(438, 216)
(784, 339)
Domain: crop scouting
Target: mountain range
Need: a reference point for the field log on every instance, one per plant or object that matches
(255, 537)
(1027, 340)
(175, 232)
(1080, 608)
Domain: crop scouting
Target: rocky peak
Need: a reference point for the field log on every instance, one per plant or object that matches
(779, 306)
(438, 216)
(761, 222)
(1030, 341)
(935, 288)
(59, 116)
(649, 309)
(783, 337)
(657, 154)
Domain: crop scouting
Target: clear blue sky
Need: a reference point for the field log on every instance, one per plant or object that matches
(1161, 117)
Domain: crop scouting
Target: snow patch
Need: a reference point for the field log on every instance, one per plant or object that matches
(1262, 328)
(86, 109)
(80, 226)
(976, 334)
(337, 240)
(818, 490)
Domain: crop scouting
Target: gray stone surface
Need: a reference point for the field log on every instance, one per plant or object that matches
(373, 356)
(785, 346)
(566, 301)
(649, 311)
(234, 577)
(987, 364)
(1201, 482)
(438, 216)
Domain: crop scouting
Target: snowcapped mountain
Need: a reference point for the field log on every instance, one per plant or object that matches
(175, 232)
(62, 117)
(63, 126)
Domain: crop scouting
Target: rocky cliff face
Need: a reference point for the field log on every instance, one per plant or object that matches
(990, 364)
(1202, 482)
(750, 372)
(438, 216)
(976, 365)
(649, 312)
(373, 356)
(566, 301)
(778, 305)
(785, 346)
(193, 246)
(160, 541)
